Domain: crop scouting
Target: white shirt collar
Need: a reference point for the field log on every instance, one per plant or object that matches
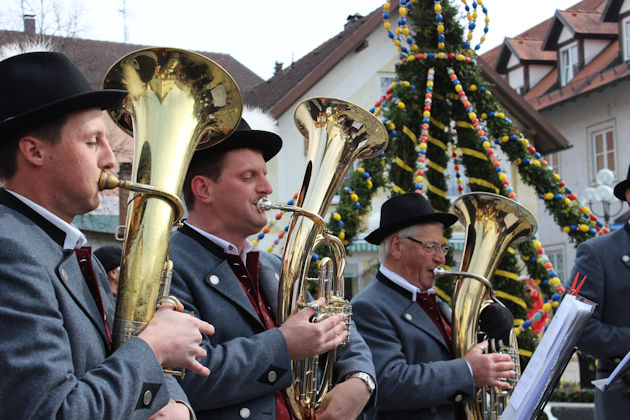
(74, 237)
(228, 247)
(402, 282)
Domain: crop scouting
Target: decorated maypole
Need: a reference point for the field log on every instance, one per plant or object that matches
(440, 109)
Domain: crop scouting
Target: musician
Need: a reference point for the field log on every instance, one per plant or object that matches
(249, 355)
(408, 329)
(605, 261)
(56, 310)
(110, 257)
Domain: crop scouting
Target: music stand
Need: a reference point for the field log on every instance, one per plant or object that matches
(549, 360)
(619, 378)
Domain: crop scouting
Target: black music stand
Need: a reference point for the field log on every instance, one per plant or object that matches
(619, 378)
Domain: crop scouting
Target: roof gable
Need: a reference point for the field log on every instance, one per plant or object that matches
(527, 51)
(581, 24)
(598, 73)
(583, 20)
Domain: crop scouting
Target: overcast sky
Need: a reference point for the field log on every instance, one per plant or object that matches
(260, 32)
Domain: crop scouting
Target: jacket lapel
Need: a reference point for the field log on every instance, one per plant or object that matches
(415, 315)
(70, 276)
(269, 279)
(223, 280)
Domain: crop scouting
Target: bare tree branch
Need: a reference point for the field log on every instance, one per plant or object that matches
(52, 17)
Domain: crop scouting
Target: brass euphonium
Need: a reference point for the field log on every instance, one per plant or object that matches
(178, 101)
(492, 223)
(338, 133)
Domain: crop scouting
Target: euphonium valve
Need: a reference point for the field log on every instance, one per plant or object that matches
(178, 101)
(338, 133)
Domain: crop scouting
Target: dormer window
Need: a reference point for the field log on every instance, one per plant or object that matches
(568, 63)
(625, 25)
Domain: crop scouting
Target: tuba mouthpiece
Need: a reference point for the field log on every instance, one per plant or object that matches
(263, 204)
(108, 181)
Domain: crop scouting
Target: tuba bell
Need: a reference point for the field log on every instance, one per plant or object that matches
(492, 223)
(178, 101)
(338, 133)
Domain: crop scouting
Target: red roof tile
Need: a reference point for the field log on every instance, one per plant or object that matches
(588, 23)
(530, 50)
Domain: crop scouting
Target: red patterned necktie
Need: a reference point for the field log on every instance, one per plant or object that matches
(84, 257)
(248, 277)
(428, 302)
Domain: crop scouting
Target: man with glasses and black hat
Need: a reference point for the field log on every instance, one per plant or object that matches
(222, 278)
(605, 262)
(408, 328)
(56, 308)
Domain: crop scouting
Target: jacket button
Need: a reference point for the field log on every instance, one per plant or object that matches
(214, 279)
(272, 376)
(458, 398)
(408, 316)
(625, 258)
(244, 413)
(617, 360)
(147, 397)
(64, 275)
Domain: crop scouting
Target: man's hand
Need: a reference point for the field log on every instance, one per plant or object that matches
(306, 339)
(489, 368)
(175, 339)
(345, 401)
(172, 410)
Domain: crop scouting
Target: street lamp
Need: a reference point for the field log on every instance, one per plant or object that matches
(602, 194)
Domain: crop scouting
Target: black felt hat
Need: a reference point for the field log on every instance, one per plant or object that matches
(109, 256)
(40, 86)
(406, 210)
(245, 138)
(622, 187)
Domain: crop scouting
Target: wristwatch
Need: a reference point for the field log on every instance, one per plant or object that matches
(365, 377)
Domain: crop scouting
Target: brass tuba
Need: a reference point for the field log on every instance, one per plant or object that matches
(338, 133)
(492, 223)
(178, 101)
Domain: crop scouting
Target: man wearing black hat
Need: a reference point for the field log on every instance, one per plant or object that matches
(56, 310)
(221, 277)
(408, 328)
(605, 261)
(110, 257)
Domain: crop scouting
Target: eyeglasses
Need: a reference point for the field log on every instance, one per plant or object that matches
(431, 248)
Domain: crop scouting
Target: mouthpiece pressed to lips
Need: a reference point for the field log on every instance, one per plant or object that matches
(263, 205)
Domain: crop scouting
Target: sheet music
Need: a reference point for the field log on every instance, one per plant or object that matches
(550, 357)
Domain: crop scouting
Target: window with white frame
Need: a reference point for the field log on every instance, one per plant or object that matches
(602, 147)
(625, 24)
(568, 63)
(556, 257)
